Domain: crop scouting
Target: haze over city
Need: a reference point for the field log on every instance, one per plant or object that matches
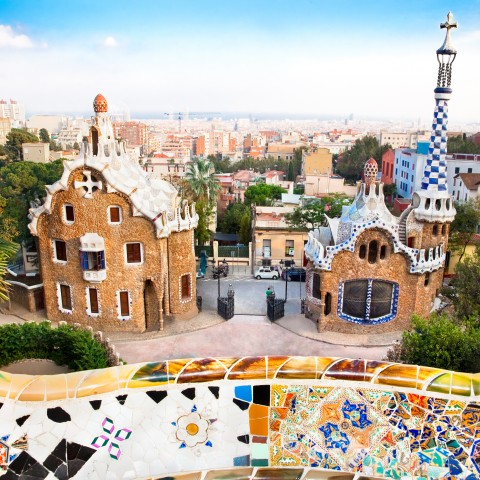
(302, 58)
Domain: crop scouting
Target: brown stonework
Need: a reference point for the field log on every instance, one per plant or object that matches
(152, 285)
(414, 296)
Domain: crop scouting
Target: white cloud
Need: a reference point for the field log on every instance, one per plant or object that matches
(8, 38)
(110, 42)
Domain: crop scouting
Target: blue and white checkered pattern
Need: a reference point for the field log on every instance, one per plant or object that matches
(435, 174)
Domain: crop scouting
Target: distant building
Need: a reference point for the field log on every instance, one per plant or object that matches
(281, 151)
(14, 111)
(317, 162)
(325, 184)
(5, 127)
(409, 166)
(36, 152)
(460, 163)
(388, 162)
(216, 142)
(133, 133)
(475, 138)
(70, 135)
(403, 139)
(52, 123)
(467, 186)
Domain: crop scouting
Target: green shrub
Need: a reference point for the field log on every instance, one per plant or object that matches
(65, 345)
(440, 342)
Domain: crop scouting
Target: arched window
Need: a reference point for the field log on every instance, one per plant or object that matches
(383, 252)
(444, 229)
(328, 304)
(363, 251)
(435, 230)
(372, 251)
(316, 293)
(438, 204)
(427, 204)
(427, 279)
(94, 141)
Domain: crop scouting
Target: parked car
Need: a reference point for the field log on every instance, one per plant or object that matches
(266, 272)
(296, 274)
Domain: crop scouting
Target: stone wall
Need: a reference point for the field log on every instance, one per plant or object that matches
(413, 295)
(25, 296)
(91, 216)
(253, 417)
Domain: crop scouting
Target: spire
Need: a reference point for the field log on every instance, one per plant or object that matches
(432, 202)
(100, 104)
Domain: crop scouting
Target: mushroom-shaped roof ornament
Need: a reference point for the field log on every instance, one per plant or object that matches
(100, 104)
(370, 171)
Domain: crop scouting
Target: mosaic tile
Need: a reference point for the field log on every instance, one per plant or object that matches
(298, 367)
(204, 370)
(249, 368)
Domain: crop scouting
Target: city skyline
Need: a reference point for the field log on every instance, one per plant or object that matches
(370, 58)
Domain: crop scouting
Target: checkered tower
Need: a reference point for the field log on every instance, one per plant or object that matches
(433, 203)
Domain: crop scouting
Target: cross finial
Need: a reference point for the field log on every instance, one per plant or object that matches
(449, 23)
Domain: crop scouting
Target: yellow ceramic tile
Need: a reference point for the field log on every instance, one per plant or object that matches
(440, 384)
(125, 373)
(399, 376)
(373, 367)
(227, 362)
(230, 474)
(98, 381)
(5, 378)
(174, 367)
(73, 381)
(346, 369)
(273, 365)
(323, 363)
(476, 384)
(461, 384)
(17, 384)
(202, 370)
(149, 375)
(249, 368)
(425, 374)
(298, 367)
(34, 391)
(56, 387)
(187, 476)
(258, 415)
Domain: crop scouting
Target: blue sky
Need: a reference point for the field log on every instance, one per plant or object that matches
(372, 58)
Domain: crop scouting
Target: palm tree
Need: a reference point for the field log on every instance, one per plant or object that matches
(203, 188)
(7, 250)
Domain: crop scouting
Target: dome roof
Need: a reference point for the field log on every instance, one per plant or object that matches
(100, 104)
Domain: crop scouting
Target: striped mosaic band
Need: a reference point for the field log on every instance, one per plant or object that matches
(163, 373)
(435, 174)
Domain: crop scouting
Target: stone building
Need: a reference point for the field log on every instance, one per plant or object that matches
(115, 246)
(368, 270)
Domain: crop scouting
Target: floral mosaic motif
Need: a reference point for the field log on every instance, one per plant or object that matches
(102, 440)
(10, 450)
(192, 430)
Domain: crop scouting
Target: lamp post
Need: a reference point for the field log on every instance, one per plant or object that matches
(288, 264)
(218, 273)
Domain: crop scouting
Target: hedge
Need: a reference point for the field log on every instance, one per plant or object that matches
(65, 345)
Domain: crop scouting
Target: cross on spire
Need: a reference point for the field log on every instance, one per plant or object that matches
(449, 23)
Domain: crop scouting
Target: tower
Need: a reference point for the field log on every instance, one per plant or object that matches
(432, 202)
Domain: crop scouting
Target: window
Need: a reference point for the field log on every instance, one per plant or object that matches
(124, 303)
(372, 251)
(92, 260)
(134, 252)
(427, 279)
(60, 250)
(328, 304)
(444, 229)
(316, 293)
(289, 248)
(186, 286)
(368, 301)
(383, 252)
(93, 300)
(65, 297)
(267, 248)
(447, 260)
(457, 169)
(114, 214)
(469, 170)
(69, 213)
(435, 230)
(363, 251)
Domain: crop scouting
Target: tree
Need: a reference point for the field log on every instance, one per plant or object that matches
(263, 194)
(232, 217)
(461, 144)
(439, 342)
(245, 229)
(312, 215)
(44, 136)
(7, 250)
(21, 183)
(13, 145)
(351, 163)
(203, 188)
(464, 226)
(291, 172)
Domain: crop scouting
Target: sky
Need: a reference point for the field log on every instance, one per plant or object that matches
(373, 58)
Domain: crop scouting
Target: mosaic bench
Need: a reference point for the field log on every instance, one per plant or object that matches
(239, 418)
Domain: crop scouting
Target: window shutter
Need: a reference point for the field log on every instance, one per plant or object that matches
(185, 286)
(134, 253)
(69, 213)
(93, 294)
(124, 304)
(66, 297)
(115, 214)
(101, 260)
(84, 260)
(61, 250)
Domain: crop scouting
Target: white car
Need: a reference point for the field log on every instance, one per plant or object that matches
(266, 272)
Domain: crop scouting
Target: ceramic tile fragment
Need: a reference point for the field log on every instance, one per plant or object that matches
(249, 368)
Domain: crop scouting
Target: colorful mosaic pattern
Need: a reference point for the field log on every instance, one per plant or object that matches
(282, 415)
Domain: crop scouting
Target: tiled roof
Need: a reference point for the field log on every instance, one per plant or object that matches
(471, 180)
